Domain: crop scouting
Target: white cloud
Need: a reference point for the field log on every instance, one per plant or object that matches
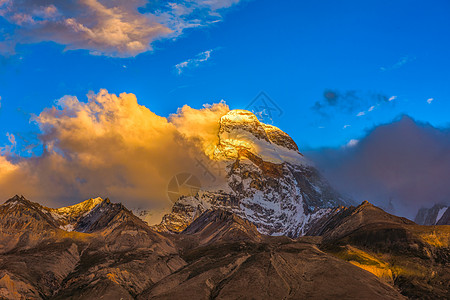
(193, 62)
(430, 100)
(352, 143)
(372, 108)
(361, 113)
(346, 126)
(392, 98)
(114, 28)
(400, 63)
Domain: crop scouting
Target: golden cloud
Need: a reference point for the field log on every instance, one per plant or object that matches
(113, 147)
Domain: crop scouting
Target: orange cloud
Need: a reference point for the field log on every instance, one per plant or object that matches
(111, 146)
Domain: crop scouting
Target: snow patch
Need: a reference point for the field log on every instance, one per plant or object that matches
(440, 214)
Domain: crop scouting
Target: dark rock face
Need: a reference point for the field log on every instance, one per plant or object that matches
(437, 215)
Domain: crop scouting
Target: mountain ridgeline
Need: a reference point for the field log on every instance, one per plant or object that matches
(100, 249)
(275, 229)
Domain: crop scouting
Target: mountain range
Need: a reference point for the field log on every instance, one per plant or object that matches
(271, 227)
(355, 252)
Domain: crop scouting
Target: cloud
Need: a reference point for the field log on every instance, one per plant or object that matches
(361, 113)
(405, 161)
(8, 150)
(193, 62)
(352, 143)
(110, 146)
(350, 102)
(400, 63)
(392, 98)
(429, 101)
(121, 28)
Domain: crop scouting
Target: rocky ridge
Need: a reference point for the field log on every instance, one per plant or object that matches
(439, 214)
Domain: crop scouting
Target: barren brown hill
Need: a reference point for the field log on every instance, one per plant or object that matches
(412, 257)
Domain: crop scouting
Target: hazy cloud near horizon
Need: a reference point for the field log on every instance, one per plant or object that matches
(406, 162)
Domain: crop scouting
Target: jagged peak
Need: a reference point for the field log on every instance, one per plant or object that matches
(16, 198)
(223, 225)
(21, 200)
(240, 116)
(365, 203)
(86, 205)
(241, 130)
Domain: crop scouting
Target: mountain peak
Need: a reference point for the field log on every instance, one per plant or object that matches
(17, 198)
(21, 200)
(439, 214)
(240, 116)
(222, 225)
(81, 207)
(365, 203)
(241, 131)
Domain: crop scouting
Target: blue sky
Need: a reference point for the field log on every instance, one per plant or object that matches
(358, 54)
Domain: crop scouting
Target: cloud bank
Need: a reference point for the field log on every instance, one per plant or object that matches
(406, 163)
(109, 146)
(121, 28)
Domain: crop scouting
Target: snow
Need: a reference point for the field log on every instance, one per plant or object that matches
(440, 214)
(240, 129)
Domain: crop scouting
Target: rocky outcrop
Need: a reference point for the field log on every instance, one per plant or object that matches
(439, 214)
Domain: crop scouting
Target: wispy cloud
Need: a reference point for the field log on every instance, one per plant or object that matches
(430, 100)
(193, 62)
(392, 98)
(120, 28)
(400, 63)
(373, 107)
(351, 102)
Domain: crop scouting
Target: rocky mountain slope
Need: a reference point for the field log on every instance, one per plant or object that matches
(352, 253)
(230, 260)
(268, 181)
(414, 258)
(439, 214)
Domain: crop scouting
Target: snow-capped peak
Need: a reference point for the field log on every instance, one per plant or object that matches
(241, 131)
(79, 208)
